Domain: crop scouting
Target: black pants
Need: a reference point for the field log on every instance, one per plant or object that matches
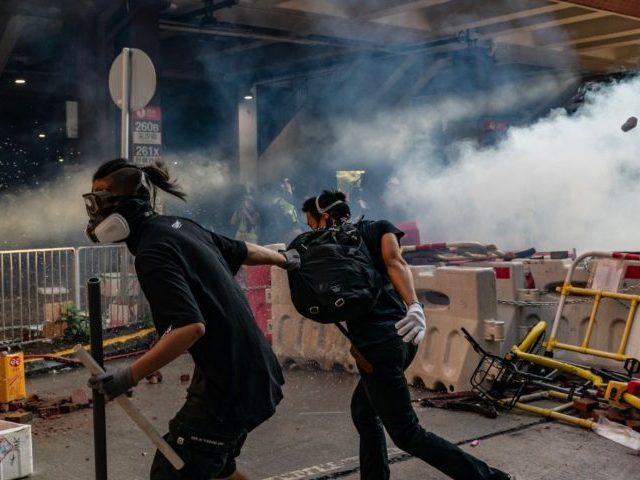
(383, 399)
(208, 445)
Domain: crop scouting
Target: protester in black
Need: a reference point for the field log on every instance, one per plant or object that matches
(186, 273)
(388, 339)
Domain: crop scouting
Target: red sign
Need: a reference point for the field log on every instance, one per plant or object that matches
(14, 362)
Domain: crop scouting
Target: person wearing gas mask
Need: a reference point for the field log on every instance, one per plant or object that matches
(387, 339)
(187, 275)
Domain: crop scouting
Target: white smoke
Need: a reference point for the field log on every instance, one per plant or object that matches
(566, 181)
(53, 213)
(46, 214)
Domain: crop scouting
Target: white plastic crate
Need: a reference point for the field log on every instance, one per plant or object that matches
(16, 453)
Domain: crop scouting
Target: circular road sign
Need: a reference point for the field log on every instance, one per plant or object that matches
(143, 79)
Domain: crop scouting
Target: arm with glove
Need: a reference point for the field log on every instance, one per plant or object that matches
(412, 327)
(176, 315)
(116, 381)
(257, 255)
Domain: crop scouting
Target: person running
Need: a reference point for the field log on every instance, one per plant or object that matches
(387, 338)
(187, 274)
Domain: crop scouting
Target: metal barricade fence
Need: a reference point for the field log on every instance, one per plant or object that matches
(122, 299)
(37, 286)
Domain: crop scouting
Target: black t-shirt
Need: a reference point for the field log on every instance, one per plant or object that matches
(186, 273)
(379, 326)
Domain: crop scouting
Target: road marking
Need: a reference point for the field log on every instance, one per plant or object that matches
(324, 468)
(347, 466)
(321, 413)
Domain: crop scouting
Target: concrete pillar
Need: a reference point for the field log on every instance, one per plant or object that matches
(91, 93)
(145, 34)
(248, 140)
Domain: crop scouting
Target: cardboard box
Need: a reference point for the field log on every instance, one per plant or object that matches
(53, 311)
(53, 329)
(16, 453)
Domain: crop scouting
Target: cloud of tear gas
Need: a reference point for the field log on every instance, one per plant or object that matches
(53, 213)
(46, 215)
(208, 184)
(565, 181)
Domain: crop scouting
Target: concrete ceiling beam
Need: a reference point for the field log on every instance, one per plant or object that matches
(398, 7)
(560, 60)
(507, 17)
(515, 35)
(588, 39)
(625, 8)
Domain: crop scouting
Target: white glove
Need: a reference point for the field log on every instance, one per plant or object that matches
(412, 327)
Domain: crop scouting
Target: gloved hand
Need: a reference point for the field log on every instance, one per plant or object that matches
(292, 259)
(412, 327)
(112, 383)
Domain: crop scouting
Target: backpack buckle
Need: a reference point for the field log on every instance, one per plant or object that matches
(314, 310)
(340, 302)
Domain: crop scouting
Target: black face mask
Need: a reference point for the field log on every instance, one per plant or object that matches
(112, 217)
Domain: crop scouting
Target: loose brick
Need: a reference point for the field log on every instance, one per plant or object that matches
(585, 404)
(70, 407)
(585, 415)
(616, 415)
(80, 397)
(17, 405)
(19, 416)
(48, 411)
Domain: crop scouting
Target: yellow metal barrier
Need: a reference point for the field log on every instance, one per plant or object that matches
(614, 392)
(568, 289)
(609, 387)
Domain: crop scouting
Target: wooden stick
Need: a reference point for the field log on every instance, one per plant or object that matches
(133, 412)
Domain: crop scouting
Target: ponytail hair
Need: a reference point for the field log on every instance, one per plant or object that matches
(129, 179)
(158, 175)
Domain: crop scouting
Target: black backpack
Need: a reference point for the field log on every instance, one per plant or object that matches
(337, 280)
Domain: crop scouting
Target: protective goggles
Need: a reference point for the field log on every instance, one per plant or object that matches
(101, 202)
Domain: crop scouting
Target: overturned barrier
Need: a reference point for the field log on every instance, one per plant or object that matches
(607, 332)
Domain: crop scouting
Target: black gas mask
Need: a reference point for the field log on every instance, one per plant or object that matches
(110, 215)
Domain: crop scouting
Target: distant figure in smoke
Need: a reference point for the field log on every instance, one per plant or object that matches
(388, 339)
(285, 216)
(186, 273)
(356, 197)
(394, 197)
(245, 219)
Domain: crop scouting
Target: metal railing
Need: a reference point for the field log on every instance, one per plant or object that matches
(37, 287)
(122, 299)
